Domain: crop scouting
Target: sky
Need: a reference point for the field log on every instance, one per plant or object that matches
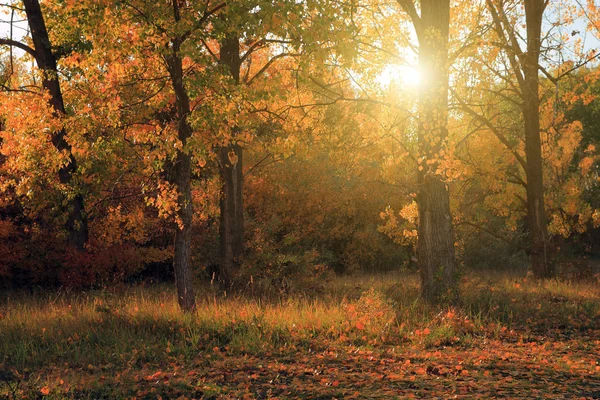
(19, 28)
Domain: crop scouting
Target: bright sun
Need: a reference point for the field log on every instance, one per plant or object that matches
(402, 75)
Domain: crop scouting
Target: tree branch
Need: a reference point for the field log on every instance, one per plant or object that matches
(494, 234)
(268, 64)
(492, 128)
(12, 7)
(511, 43)
(146, 17)
(207, 14)
(19, 45)
(214, 56)
(409, 8)
(258, 163)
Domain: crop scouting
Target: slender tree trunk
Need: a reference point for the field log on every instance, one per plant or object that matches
(435, 246)
(2, 156)
(231, 228)
(525, 65)
(183, 173)
(538, 225)
(76, 225)
(231, 223)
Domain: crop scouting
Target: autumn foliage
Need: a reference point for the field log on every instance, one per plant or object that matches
(287, 151)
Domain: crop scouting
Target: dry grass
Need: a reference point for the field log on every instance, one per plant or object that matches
(110, 331)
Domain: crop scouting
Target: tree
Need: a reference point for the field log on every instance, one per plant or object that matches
(435, 245)
(526, 68)
(522, 88)
(231, 201)
(46, 59)
(158, 57)
(252, 42)
(183, 171)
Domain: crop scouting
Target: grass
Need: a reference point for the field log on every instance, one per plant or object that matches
(134, 342)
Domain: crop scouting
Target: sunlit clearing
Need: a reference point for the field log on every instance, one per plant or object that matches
(403, 76)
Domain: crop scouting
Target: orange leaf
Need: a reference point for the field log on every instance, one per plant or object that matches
(45, 391)
(152, 377)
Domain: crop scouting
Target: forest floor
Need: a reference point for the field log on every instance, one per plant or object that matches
(368, 337)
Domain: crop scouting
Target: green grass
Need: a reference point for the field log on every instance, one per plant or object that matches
(85, 340)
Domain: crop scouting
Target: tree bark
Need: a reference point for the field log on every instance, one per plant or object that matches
(231, 228)
(182, 179)
(525, 66)
(231, 222)
(76, 225)
(538, 224)
(435, 245)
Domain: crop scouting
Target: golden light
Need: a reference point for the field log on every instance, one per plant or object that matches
(403, 76)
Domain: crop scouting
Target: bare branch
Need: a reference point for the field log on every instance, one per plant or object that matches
(12, 7)
(494, 234)
(269, 155)
(214, 56)
(259, 44)
(269, 63)
(254, 47)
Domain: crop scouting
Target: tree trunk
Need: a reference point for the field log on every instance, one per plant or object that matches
(182, 257)
(183, 173)
(76, 225)
(435, 246)
(538, 225)
(525, 65)
(231, 224)
(231, 228)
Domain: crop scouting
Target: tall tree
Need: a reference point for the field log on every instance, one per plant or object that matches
(183, 171)
(435, 245)
(46, 59)
(253, 41)
(525, 66)
(231, 203)
(168, 35)
(508, 66)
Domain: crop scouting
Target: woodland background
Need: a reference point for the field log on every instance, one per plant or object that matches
(279, 142)
(354, 198)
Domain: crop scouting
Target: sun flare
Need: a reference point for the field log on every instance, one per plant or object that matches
(405, 76)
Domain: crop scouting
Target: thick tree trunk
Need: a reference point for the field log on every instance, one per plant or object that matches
(183, 234)
(231, 228)
(183, 173)
(538, 225)
(435, 246)
(76, 225)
